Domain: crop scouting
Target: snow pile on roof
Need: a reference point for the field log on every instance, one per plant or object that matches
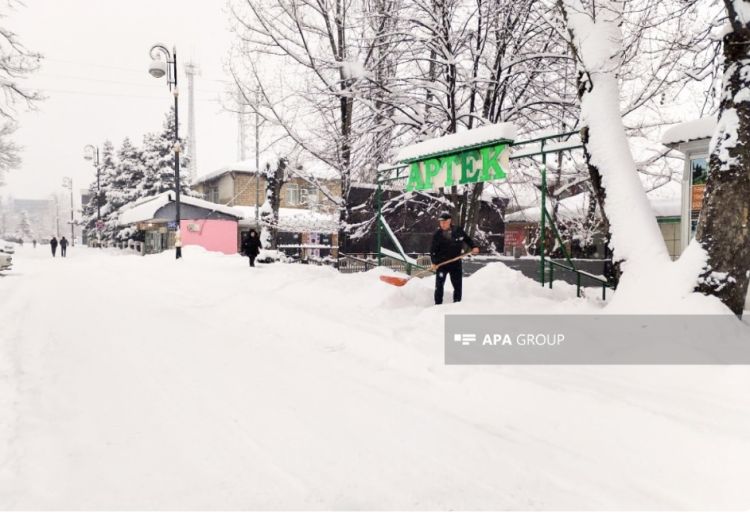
(577, 206)
(144, 209)
(666, 207)
(309, 168)
(689, 131)
(243, 166)
(295, 219)
(462, 140)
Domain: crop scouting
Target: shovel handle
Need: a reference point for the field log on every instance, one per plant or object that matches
(454, 259)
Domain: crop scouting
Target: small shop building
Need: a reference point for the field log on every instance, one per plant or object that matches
(693, 140)
(522, 226)
(209, 225)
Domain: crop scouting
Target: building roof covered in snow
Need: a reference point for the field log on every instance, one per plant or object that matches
(457, 141)
(316, 169)
(145, 209)
(296, 219)
(576, 206)
(245, 166)
(692, 130)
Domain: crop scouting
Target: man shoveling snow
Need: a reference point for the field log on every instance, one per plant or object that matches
(447, 244)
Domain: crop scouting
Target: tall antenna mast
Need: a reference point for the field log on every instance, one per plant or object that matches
(191, 70)
(241, 129)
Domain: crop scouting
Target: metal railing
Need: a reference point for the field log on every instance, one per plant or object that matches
(578, 273)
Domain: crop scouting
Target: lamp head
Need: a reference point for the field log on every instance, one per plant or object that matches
(158, 68)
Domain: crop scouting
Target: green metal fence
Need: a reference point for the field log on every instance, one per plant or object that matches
(535, 148)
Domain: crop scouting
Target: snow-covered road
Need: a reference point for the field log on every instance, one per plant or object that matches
(132, 382)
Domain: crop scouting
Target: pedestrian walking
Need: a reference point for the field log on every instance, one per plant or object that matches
(447, 243)
(63, 247)
(177, 244)
(252, 246)
(34, 242)
(53, 245)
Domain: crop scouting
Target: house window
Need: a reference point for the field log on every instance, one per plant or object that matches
(292, 194)
(698, 177)
(213, 195)
(309, 197)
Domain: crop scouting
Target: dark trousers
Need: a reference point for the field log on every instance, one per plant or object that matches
(63, 250)
(252, 260)
(54, 249)
(453, 270)
(178, 252)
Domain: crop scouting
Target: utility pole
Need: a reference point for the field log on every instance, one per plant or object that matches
(191, 70)
(72, 217)
(257, 159)
(68, 183)
(57, 216)
(240, 126)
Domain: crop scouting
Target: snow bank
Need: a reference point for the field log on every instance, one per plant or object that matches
(204, 384)
(667, 289)
(462, 140)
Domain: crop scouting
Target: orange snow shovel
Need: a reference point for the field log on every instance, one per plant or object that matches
(399, 281)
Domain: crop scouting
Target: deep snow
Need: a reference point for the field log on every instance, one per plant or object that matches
(132, 382)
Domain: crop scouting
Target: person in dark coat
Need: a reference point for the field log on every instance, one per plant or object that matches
(448, 242)
(251, 246)
(63, 246)
(53, 245)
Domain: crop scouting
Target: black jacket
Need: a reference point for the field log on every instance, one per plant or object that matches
(53, 242)
(251, 245)
(445, 249)
(63, 242)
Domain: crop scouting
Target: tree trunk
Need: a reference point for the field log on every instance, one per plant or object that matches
(724, 223)
(635, 234)
(269, 212)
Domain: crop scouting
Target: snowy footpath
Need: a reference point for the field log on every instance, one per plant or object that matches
(134, 383)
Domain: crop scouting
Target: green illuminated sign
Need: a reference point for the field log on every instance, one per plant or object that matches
(470, 166)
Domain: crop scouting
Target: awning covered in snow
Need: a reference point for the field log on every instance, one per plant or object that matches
(690, 131)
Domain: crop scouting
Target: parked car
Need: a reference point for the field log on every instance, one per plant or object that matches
(7, 247)
(6, 261)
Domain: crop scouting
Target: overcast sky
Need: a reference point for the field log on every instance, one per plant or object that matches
(97, 85)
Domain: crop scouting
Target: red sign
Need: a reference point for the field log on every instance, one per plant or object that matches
(514, 238)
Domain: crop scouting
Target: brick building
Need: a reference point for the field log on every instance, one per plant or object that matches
(307, 212)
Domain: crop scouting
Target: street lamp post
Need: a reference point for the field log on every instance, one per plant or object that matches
(91, 152)
(160, 68)
(68, 183)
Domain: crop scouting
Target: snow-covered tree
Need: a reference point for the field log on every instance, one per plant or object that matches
(24, 226)
(16, 63)
(725, 217)
(158, 161)
(269, 211)
(109, 190)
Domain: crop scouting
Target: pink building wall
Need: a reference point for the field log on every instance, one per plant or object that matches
(211, 234)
